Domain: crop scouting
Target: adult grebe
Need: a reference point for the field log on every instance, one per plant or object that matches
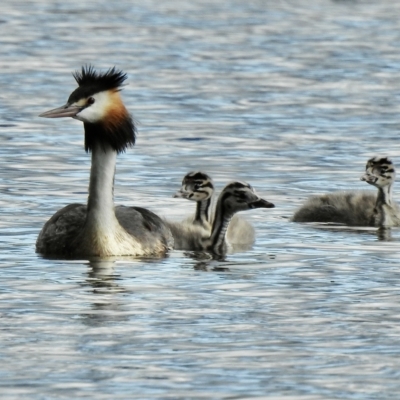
(99, 229)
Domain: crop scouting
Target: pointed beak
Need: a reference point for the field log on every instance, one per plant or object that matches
(261, 203)
(180, 195)
(368, 178)
(61, 112)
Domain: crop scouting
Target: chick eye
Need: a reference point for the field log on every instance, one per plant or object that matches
(90, 101)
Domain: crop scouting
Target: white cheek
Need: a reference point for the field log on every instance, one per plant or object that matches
(97, 111)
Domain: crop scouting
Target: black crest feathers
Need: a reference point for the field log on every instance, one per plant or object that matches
(113, 78)
(91, 82)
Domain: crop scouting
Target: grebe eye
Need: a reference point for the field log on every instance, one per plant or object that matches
(90, 101)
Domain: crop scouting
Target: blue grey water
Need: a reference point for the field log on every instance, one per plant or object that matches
(290, 96)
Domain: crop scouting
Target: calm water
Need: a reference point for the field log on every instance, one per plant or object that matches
(290, 96)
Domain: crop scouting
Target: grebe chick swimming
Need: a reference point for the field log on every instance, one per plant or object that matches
(380, 172)
(235, 197)
(99, 229)
(199, 187)
(357, 208)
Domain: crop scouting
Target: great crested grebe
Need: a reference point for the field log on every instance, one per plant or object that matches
(235, 197)
(357, 208)
(99, 229)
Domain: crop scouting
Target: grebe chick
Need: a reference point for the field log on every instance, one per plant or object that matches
(380, 172)
(99, 229)
(235, 197)
(198, 186)
(357, 208)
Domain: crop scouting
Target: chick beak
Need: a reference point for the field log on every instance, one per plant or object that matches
(369, 178)
(261, 203)
(180, 194)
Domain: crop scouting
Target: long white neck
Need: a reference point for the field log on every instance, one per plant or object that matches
(102, 234)
(100, 213)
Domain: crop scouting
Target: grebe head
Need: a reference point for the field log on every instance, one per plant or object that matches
(240, 196)
(98, 104)
(379, 172)
(196, 186)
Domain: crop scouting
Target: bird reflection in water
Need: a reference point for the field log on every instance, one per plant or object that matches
(102, 277)
(105, 307)
(384, 234)
(204, 260)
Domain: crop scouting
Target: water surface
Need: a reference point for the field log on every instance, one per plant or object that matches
(290, 96)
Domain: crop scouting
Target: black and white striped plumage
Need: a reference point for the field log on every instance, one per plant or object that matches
(235, 197)
(198, 186)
